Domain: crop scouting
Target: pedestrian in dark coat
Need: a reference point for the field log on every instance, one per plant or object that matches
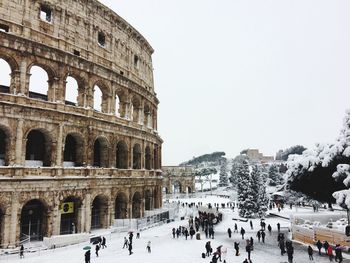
(174, 232)
(236, 245)
(263, 236)
(229, 232)
(126, 242)
(97, 248)
(242, 232)
(131, 235)
(87, 256)
(338, 253)
(278, 227)
(103, 243)
(326, 245)
(290, 252)
(206, 232)
(282, 247)
(186, 233)
(208, 248)
(251, 242)
(310, 252)
(192, 232)
(269, 228)
(248, 248)
(258, 235)
(319, 246)
(21, 252)
(236, 228)
(251, 224)
(130, 248)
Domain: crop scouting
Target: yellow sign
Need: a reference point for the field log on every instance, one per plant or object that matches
(67, 208)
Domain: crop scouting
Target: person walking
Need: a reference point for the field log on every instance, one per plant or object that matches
(278, 227)
(148, 247)
(97, 248)
(319, 246)
(126, 243)
(258, 235)
(236, 246)
(208, 248)
(103, 243)
(310, 252)
(173, 232)
(229, 232)
(131, 235)
(263, 234)
(248, 249)
(326, 245)
(251, 224)
(242, 232)
(290, 252)
(192, 232)
(251, 243)
(130, 248)
(269, 228)
(236, 228)
(21, 252)
(87, 256)
(338, 253)
(330, 253)
(186, 233)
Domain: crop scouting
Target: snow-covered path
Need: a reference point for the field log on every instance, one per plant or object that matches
(165, 249)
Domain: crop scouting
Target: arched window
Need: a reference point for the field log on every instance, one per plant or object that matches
(70, 219)
(148, 200)
(101, 153)
(117, 106)
(38, 149)
(3, 147)
(120, 206)
(99, 212)
(38, 84)
(155, 158)
(5, 76)
(73, 151)
(136, 153)
(136, 205)
(71, 97)
(122, 155)
(98, 98)
(148, 158)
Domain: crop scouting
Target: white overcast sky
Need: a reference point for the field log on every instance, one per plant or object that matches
(243, 74)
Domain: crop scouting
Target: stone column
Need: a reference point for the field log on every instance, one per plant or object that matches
(87, 214)
(6, 224)
(56, 217)
(14, 222)
(24, 78)
(15, 86)
(19, 143)
(59, 149)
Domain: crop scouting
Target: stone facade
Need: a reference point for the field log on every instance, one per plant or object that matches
(257, 156)
(105, 164)
(178, 179)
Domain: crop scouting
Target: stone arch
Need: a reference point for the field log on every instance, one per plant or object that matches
(73, 150)
(122, 155)
(136, 205)
(5, 148)
(71, 91)
(38, 148)
(177, 187)
(100, 153)
(2, 224)
(34, 220)
(147, 116)
(70, 215)
(148, 158)
(149, 202)
(120, 105)
(81, 79)
(156, 157)
(135, 109)
(5, 76)
(121, 206)
(101, 97)
(99, 212)
(136, 156)
(39, 74)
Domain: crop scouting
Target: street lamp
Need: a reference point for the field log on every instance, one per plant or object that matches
(30, 212)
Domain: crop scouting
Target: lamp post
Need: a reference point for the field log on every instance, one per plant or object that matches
(30, 212)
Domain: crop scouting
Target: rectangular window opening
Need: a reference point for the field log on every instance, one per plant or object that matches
(121, 73)
(4, 28)
(76, 52)
(136, 60)
(45, 14)
(101, 39)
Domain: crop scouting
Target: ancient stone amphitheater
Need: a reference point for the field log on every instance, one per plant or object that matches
(72, 165)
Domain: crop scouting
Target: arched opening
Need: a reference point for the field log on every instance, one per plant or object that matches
(72, 91)
(147, 116)
(4, 147)
(5, 76)
(121, 206)
(148, 158)
(39, 83)
(155, 158)
(101, 153)
(148, 200)
(73, 151)
(189, 190)
(122, 155)
(98, 98)
(135, 107)
(136, 156)
(117, 106)
(99, 212)
(70, 213)
(33, 221)
(177, 187)
(38, 149)
(136, 205)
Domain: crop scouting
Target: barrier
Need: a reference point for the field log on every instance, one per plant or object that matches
(65, 240)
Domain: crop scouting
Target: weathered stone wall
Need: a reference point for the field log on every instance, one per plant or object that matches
(67, 44)
(179, 176)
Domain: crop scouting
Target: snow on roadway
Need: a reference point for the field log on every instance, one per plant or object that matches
(165, 249)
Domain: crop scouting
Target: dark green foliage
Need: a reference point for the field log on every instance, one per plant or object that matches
(215, 157)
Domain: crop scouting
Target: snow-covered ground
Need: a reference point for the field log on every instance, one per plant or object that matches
(165, 249)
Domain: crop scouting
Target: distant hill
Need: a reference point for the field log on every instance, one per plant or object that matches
(214, 158)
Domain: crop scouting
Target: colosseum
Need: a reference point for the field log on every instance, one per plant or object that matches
(70, 164)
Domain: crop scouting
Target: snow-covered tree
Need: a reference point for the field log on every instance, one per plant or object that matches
(261, 200)
(275, 178)
(237, 161)
(245, 194)
(204, 175)
(223, 179)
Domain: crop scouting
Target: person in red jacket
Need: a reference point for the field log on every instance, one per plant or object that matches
(330, 253)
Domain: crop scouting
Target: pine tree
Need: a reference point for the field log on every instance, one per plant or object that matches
(244, 191)
(223, 179)
(255, 175)
(262, 200)
(275, 178)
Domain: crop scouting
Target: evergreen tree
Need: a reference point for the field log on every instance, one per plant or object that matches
(223, 179)
(244, 191)
(275, 178)
(262, 200)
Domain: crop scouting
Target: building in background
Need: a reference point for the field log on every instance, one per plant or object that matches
(178, 179)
